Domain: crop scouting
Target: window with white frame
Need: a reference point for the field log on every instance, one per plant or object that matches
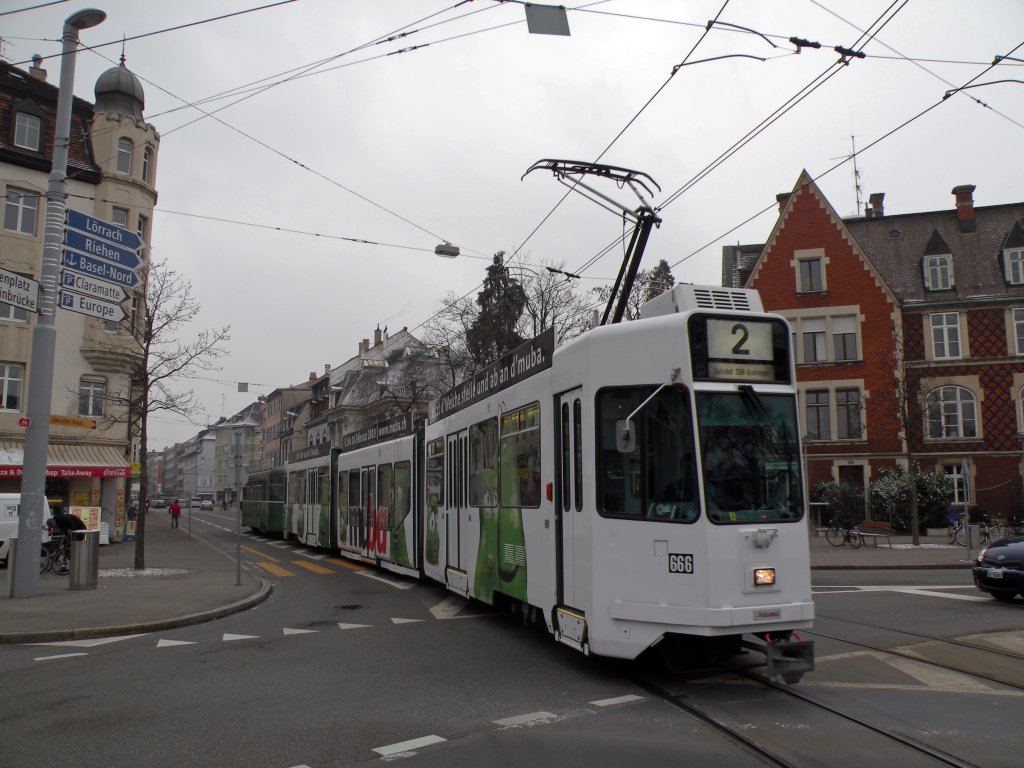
(813, 332)
(91, 396)
(1018, 331)
(124, 155)
(119, 216)
(957, 474)
(951, 413)
(810, 275)
(27, 131)
(1015, 266)
(12, 379)
(21, 209)
(945, 335)
(818, 421)
(13, 313)
(844, 338)
(938, 272)
(848, 426)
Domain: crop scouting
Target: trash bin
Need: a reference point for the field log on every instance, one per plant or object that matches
(85, 559)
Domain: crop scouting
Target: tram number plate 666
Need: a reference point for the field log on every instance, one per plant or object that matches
(680, 563)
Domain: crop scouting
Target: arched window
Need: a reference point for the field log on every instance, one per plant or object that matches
(951, 412)
(124, 155)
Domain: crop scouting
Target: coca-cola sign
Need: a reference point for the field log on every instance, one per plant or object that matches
(70, 473)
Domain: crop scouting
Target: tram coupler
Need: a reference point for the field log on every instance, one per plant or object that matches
(786, 658)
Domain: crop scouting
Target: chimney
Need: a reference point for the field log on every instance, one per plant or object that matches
(312, 376)
(327, 369)
(965, 207)
(36, 69)
(376, 337)
(875, 201)
(781, 200)
(364, 346)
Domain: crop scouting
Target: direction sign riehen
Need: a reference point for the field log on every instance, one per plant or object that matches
(104, 270)
(87, 305)
(99, 289)
(101, 249)
(103, 230)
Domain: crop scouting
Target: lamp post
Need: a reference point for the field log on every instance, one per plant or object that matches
(44, 336)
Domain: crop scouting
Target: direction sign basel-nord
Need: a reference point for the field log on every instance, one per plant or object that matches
(98, 268)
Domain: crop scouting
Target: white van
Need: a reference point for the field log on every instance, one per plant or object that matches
(10, 504)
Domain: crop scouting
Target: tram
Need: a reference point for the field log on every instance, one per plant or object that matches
(263, 508)
(641, 483)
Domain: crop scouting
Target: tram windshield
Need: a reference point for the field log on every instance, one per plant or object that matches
(751, 456)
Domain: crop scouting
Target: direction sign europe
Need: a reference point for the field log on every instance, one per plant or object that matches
(103, 230)
(19, 291)
(100, 289)
(101, 249)
(87, 305)
(104, 270)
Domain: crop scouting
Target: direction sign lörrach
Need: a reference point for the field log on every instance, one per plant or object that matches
(104, 230)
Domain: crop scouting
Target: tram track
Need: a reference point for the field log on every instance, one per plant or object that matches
(818, 726)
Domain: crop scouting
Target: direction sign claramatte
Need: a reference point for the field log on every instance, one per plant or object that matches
(100, 289)
(87, 305)
(101, 249)
(103, 230)
(19, 291)
(98, 268)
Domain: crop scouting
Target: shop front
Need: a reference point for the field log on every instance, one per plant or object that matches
(77, 475)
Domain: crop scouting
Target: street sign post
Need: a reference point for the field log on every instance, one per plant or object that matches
(19, 291)
(100, 289)
(101, 249)
(103, 230)
(87, 305)
(104, 270)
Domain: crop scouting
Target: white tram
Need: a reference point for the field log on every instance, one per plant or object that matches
(641, 482)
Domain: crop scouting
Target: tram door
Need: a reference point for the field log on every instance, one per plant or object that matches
(456, 518)
(367, 504)
(311, 507)
(576, 533)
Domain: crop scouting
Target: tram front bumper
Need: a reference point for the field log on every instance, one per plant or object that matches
(712, 621)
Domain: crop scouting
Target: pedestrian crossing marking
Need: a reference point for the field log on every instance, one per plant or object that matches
(261, 554)
(274, 569)
(312, 567)
(346, 564)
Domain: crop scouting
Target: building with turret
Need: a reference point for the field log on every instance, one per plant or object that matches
(112, 167)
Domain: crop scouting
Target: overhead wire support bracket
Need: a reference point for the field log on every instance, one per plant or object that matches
(643, 216)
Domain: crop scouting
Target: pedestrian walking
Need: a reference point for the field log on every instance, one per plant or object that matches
(175, 513)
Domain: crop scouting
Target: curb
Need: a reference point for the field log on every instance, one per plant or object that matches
(91, 633)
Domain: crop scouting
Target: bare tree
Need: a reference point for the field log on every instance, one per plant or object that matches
(648, 284)
(444, 339)
(161, 358)
(552, 300)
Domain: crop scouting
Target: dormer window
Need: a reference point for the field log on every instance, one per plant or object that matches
(27, 129)
(1015, 266)
(124, 156)
(938, 272)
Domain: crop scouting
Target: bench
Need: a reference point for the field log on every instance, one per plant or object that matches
(876, 529)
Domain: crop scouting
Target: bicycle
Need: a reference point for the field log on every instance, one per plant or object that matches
(957, 534)
(839, 534)
(56, 554)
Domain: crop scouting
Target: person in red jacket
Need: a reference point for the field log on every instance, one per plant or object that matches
(175, 513)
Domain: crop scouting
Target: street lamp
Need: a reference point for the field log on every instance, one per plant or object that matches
(44, 336)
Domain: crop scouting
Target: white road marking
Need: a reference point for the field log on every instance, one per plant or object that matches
(389, 582)
(170, 643)
(312, 555)
(229, 637)
(617, 700)
(946, 595)
(452, 607)
(406, 746)
(353, 626)
(90, 643)
(61, 656)
(532, 717)
(932, 676)
(289, 631)
(405, 621)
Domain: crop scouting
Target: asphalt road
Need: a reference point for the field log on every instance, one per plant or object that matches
(344, 666)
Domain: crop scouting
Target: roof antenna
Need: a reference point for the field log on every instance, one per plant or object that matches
(122, 50)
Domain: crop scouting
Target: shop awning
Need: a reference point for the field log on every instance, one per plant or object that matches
(66, 461)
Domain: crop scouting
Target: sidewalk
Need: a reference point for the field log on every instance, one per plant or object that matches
(186, 581)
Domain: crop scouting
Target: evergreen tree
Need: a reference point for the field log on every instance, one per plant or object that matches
(501, 302)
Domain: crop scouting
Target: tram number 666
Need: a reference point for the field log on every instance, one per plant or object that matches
(680, 563)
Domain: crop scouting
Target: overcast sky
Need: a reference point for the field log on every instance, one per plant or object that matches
(409, 149)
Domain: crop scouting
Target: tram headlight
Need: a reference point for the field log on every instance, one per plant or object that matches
(764, 577)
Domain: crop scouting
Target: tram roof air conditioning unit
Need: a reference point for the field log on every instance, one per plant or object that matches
(683, 298)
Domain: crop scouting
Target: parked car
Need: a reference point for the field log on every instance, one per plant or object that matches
(999, 569)
(206, 504)
(158, 503)
(194, 503)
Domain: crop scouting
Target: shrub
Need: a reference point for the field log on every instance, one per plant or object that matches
(890, 495)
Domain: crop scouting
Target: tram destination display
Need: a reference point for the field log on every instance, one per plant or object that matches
(739, 349)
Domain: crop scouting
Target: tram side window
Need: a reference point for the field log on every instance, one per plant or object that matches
(298, 487)
(520, 457)
(435, 473)
(277, 489)
(400, 504)
(657, 480)
(385, 489)
(483, 469)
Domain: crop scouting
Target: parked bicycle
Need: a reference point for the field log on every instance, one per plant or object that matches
(56, 553)
(958, 533)
(840, 534)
